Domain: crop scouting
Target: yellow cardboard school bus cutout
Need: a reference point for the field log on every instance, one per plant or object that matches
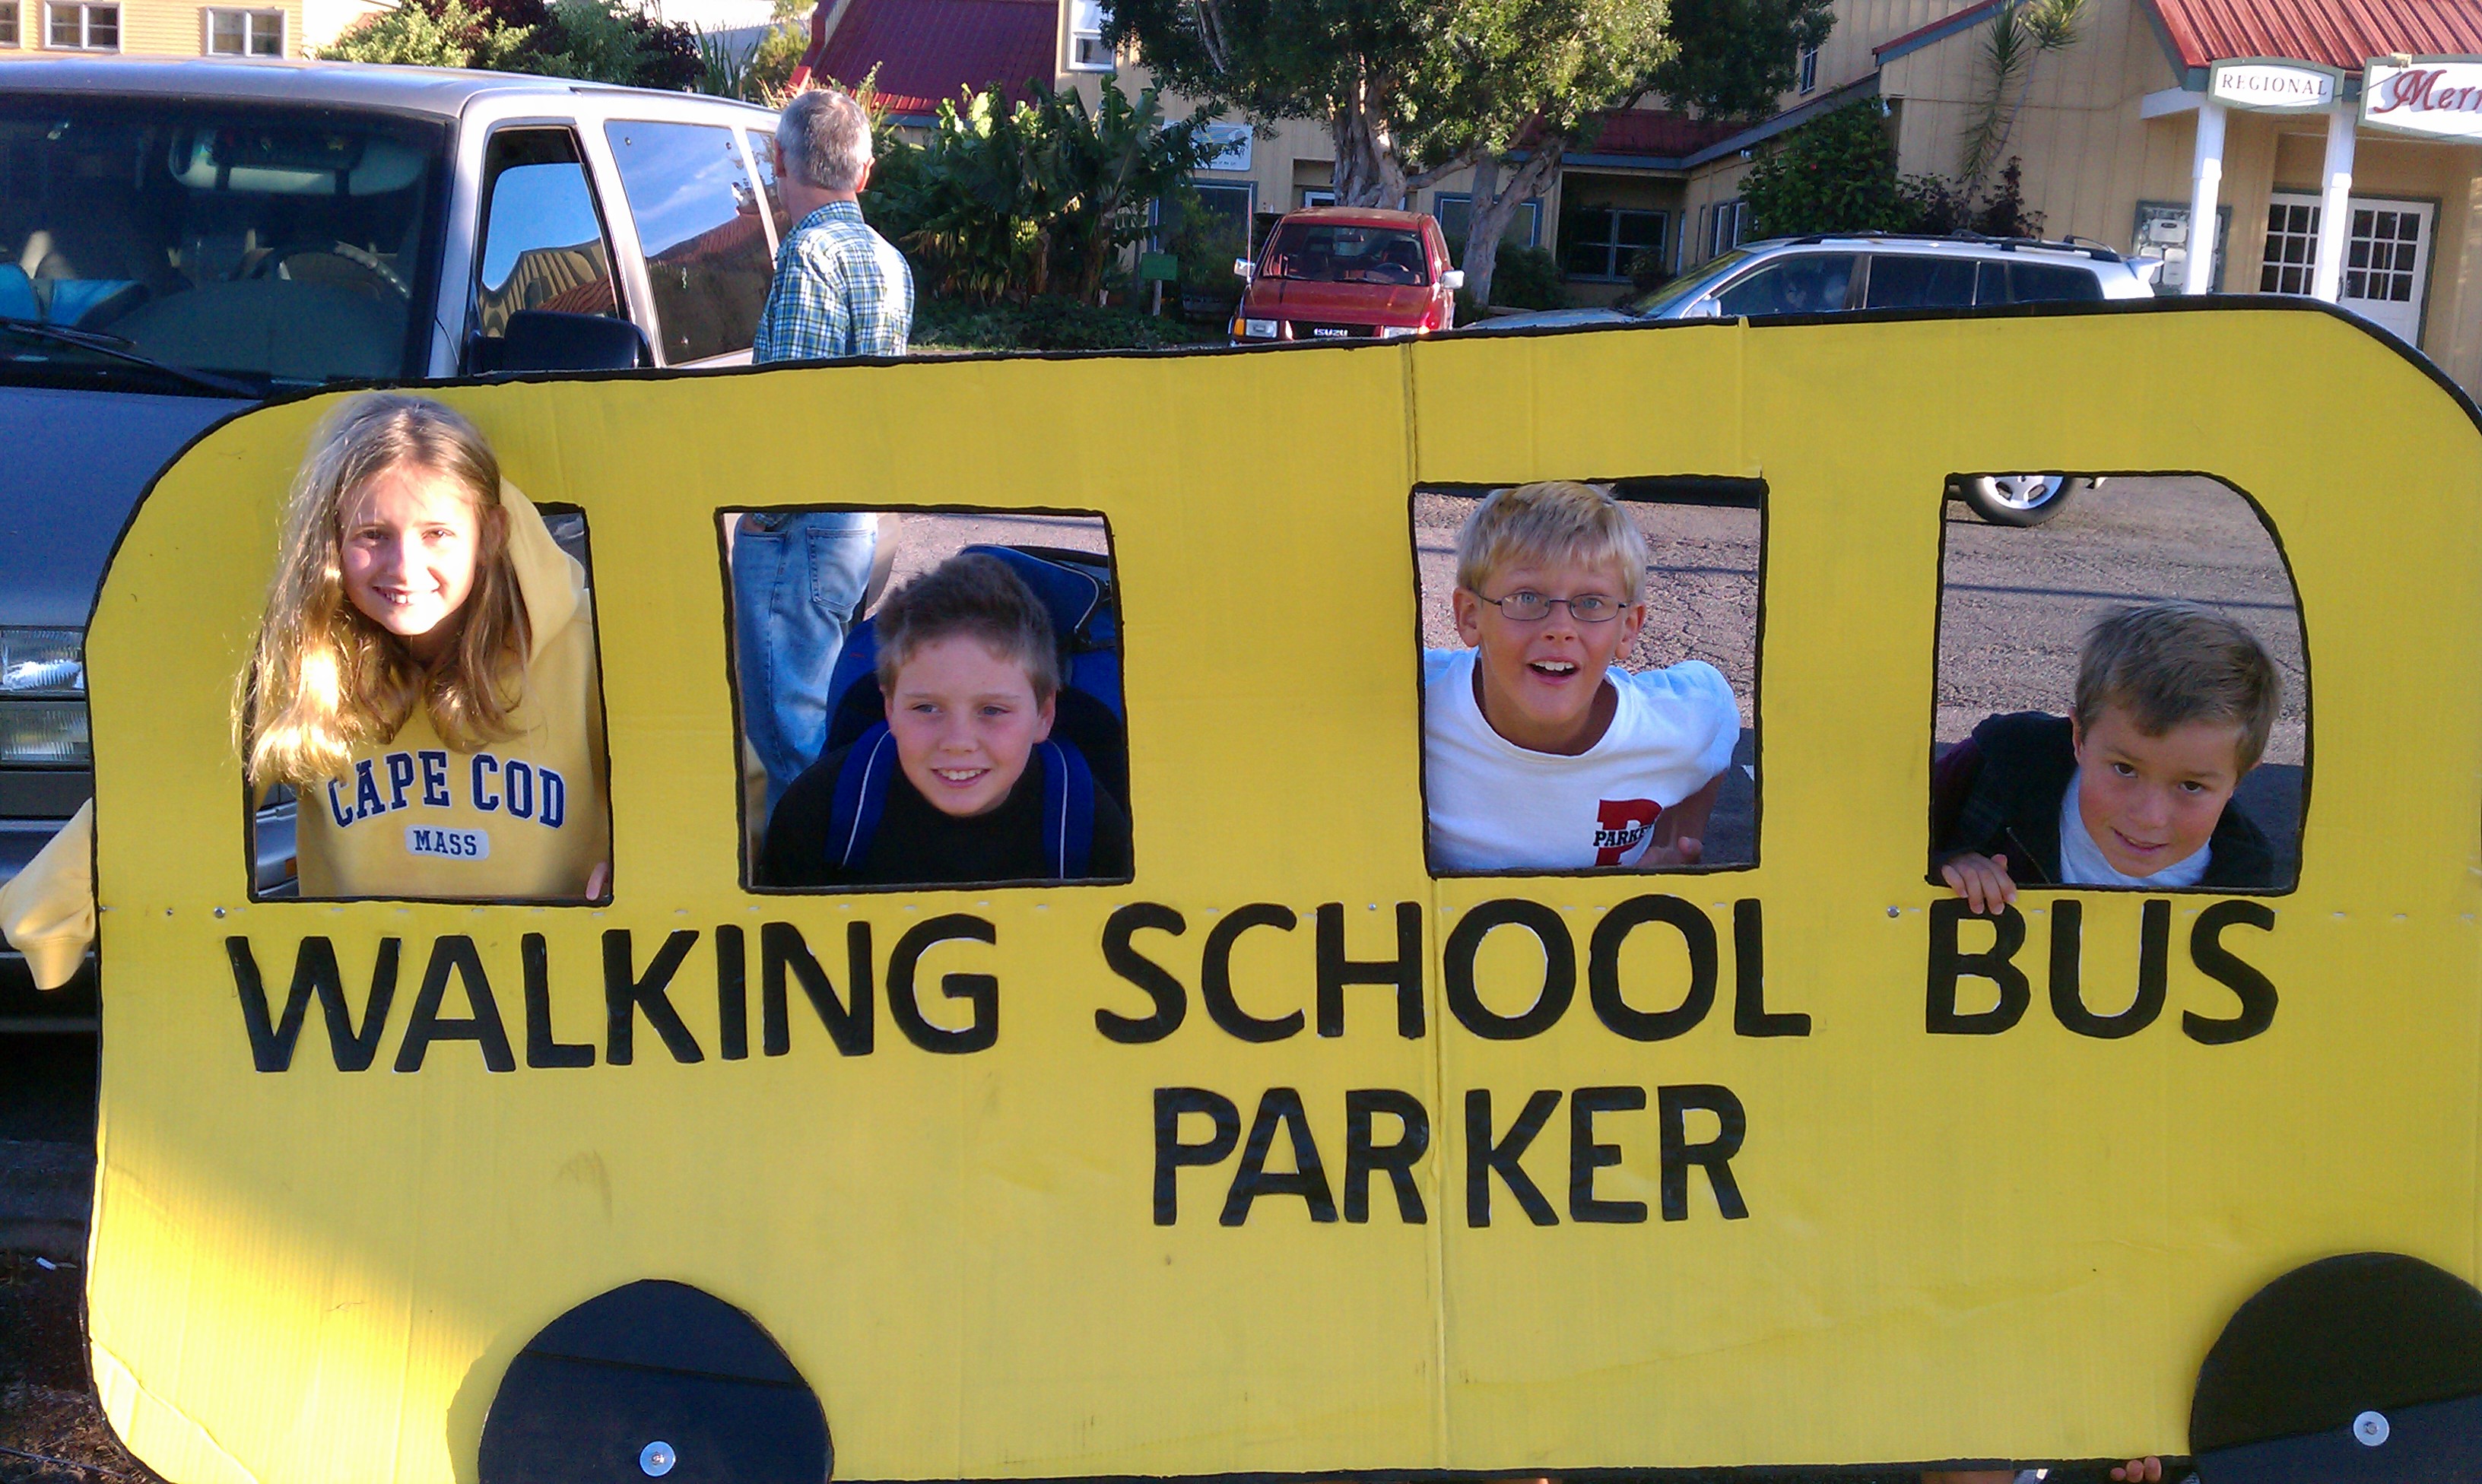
(1804, 1230)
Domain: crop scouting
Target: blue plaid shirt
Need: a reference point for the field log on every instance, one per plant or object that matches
(840, 289)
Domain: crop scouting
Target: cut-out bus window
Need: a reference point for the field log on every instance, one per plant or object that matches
(522, 819)
(963, 776)
(2016, 609)
(1504, 791)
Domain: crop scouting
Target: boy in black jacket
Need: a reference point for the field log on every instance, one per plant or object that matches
(963, 783)
(2174, 705)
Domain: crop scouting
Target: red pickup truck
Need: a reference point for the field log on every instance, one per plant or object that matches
(1341, 272)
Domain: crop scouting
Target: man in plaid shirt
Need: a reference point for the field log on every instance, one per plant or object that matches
(840, 288)
(799, 576)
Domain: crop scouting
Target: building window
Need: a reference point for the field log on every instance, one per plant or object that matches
(1313, 197)
(2291, 258)
(1809, 69)
(83, 28)
(1087, 52)
(1456, 222)
(2380, 254)
(9, 24)
(245, 33)
(1723, 224)
(1602, 241)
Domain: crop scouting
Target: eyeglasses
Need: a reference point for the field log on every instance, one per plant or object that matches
(1526, 605)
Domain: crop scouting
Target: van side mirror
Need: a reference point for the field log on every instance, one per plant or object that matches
(1453, 279)
(546, 340)
(1244, 269)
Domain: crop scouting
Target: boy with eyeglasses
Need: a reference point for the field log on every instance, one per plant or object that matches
(1540, 753)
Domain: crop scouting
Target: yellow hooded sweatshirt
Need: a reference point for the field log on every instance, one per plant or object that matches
(524, 817)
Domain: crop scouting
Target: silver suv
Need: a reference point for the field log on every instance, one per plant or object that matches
(1826, 273)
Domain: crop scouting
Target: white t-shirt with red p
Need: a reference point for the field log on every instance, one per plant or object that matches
(1497, 806)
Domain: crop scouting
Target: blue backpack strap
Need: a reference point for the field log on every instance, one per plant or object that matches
(1068, 809)
(861, 796)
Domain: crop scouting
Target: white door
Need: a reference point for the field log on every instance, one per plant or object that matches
(2386, 256)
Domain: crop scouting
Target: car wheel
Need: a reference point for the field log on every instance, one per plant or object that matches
(2018, 499)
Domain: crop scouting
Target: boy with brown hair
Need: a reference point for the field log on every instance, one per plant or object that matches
(962, 781)
(1539, 752)
(2174, 705)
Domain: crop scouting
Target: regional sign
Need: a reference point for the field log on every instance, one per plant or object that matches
(2273, 87)
(2440, 97)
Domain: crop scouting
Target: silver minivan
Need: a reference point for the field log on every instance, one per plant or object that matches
(1828, 274)
(181, 238)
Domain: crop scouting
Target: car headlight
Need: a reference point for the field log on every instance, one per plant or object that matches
(1258, 330)
(1398, 332)
(42, 699)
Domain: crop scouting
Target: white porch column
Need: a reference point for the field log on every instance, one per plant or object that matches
(2334, 204)
(2205, 183)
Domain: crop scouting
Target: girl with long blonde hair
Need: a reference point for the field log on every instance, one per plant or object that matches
(424, 680)
(350, 647)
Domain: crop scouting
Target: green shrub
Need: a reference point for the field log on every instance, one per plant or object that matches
(1048, 323)
(1528, 278)
(1836, 173)
(771, 65)
(447, 35)
(1942, 204)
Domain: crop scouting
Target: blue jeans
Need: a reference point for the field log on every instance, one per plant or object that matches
(796, 581)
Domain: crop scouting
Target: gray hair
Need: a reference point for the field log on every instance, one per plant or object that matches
(824, 137)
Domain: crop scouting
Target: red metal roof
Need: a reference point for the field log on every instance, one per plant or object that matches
(1645, 131)
(2335, 33)
(926, 50)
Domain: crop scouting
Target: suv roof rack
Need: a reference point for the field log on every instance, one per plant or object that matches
(2085, 246)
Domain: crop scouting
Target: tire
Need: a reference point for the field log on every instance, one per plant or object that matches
(2018, 499)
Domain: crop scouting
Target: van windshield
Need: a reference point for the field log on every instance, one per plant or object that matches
(1332, 252)
(277, 246)
(1656, 302)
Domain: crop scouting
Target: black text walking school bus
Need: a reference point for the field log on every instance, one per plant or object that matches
(1287, 1157)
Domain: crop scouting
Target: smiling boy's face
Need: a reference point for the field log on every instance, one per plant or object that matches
(2154, 802)
(1542, 682)
(966, 719)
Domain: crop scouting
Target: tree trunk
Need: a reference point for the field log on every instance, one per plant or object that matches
(1494, 206)
(1367, 169)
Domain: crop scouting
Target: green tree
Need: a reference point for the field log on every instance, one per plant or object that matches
(1836, 173)
(1536, 78)
(1391, 79)
(1413, 90)
(593, 40)
(1724, 58)
(1735, 57)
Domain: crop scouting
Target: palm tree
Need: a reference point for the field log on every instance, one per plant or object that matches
(2020, 31)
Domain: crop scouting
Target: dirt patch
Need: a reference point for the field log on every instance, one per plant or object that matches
(51, 1429)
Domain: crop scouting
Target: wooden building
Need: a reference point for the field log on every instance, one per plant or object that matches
(2261, 113)
(33, 28)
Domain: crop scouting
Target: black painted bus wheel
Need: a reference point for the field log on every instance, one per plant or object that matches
(2357, 1369)
(654, 1381)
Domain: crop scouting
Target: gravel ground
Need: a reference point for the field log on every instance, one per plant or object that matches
(2016, 602)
